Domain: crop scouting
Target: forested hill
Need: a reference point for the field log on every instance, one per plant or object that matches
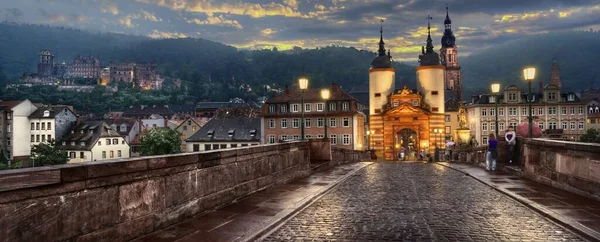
(201, 63)
(577, 53)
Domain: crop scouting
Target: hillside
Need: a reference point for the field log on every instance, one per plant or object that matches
(575, 51)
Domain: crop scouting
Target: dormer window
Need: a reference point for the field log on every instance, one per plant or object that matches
(512, 97)
(571, 97)
(210, 133)
(253, 132)
(272, 108)
(230, 132)
(551, 96)
(396, 103)
(492, 99)
(415, 103)
(81, 131)
(64, 143)
(345, 106)
(46, 113)
(81, 143)
(72, 143)
(72, 131)
(283, 108)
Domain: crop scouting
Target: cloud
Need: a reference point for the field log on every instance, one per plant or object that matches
(166, 35)
(61, 18)
(127, 21)
(291, 3)
(216, 20)
(110, 7)
(267, 32)
(150, 16)
(254, 10)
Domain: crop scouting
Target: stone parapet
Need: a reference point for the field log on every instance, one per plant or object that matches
(124, 199)
(343, 156)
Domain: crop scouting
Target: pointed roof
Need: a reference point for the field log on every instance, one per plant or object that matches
(448, 40)
(382, 61)
(429, 57)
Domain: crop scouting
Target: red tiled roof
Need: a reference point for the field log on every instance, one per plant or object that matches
(10, 104)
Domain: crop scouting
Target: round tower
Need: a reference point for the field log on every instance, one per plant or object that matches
(430, 76)
(382, 76)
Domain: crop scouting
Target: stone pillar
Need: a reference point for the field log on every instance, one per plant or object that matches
(320, 150)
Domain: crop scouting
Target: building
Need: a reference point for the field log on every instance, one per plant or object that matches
(208, 109)
(145, 112)
(593, 115)
(345, 122)
(449, 58)
(143, 75)
(408, 119)
(45, 67)
(183, 111)
(121, 72)
(225, 133)
(127, 128)
(84, 67)
(560, 115)
(187, 127)
(50, 123)
(94, 141)
(15, 129)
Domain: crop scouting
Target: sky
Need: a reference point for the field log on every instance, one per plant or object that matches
(259, 24)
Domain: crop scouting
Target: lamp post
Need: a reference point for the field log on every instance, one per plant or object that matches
(303, 84)
(325, 94)
(436, 151)
(529, 74)
(496, 91)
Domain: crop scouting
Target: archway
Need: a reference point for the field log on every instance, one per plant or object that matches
(407, 140)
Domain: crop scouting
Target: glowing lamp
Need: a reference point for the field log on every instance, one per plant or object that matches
(529, 73)
(303, 83)
(325, 94)
(496, 88)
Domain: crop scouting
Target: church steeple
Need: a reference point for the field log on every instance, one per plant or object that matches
(448, 40)
(429, 40)
(381, 50)
(429, 57)
(555, 75)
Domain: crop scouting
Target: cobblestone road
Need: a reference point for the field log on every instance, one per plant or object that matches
(417, 202)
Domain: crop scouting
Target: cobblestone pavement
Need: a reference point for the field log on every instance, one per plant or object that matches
(417, 202)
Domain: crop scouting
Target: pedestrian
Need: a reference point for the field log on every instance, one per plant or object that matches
(421, 155)
(492, 153)
(402, 152)
(511, 138)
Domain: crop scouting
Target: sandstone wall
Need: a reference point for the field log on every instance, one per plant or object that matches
(124, 199)
(343, 156)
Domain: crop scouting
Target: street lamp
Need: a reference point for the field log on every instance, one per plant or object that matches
(325, 94)
(303, 84)
(436, 154)
(529, 74)
(496, 92)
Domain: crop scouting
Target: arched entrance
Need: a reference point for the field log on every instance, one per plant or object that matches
(408, 141)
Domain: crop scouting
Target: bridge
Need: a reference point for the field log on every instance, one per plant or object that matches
(308, 190)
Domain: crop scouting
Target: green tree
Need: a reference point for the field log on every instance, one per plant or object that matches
(161, 141)
(591, 136)
(50, 153)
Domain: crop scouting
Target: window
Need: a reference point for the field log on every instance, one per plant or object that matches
(233, 145)
(415, 103)
(37, 138)
(492, 126)
(223, 146)
(346, 122)
(295, 108)
(513, 125)
(103, 154)
(581, 126)
(433, 93)
(564, 125)
(501, 126)
(320, 122)
(37, 126)
(448, 130)
(43, 138)
(7, 141)
(573, 126)
(215, 146)
(272, 108)
(43, 126)
(107, 141)
(377, 94)
(524, 111)
(320, 107)
(572, 109)
(119, 153)
(541, 124)
(284, 123)
(32, 126)
(72, 155)
(320, 136)
(207, 147)
(396, 103)
(580, 110)
(283, 108)
(552, 96)
(115, 141)
(307, 123)
(571, 97)
(492, 99)
(484, 127)
(99, 143)
(551, 110)
(283, 137)
(48, 126)
(271, 123)
(81, 155)
(271, 139)
(332, 122)
(308, 136)
(492, 112)
(485, 140)
(346, 139)
(447, 118)
(72, 143)
(32, 138)
(307, 107)
(484, 112)
(49, 137)
(184, 128)
(540, 111)
(500, 111)
(295, 123)
(332, 107)
(563, 110)
(512, 97)
(345, 106)
(333, 139)
(512, 111)
(435, 109)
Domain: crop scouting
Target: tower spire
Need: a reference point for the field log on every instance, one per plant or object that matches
(381, 50)
(429, 40)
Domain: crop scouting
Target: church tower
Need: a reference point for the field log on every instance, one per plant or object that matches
(430, 76)
(555, 75)
(449, 54)
(381, 77)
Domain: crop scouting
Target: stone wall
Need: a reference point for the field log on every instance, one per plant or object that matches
(124, 199)
(343, 156)
(571, 166)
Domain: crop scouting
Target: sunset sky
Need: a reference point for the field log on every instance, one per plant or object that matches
(311, 23)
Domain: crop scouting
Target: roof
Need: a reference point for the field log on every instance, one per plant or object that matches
(238, 112)
(10, 104)
(310, 95)
(229, 130)
(217, 105)
(182, 108)
(88, 132)
(361, 93)
(147, 111)
(119, 122)
(381, 62)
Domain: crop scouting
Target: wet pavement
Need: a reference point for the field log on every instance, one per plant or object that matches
(249, 217)
(421, 202)
(569, 209)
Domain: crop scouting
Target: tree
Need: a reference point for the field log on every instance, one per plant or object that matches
(591, 136)
(161, 141)
(50, 153)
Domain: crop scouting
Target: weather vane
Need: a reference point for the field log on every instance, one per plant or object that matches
(428, 19)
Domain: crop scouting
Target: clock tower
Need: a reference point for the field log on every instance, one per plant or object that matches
(449, 55)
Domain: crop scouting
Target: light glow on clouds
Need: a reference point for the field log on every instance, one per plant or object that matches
(284, 24)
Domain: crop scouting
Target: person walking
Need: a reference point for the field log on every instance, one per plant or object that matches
(511, 138)
(492, 153)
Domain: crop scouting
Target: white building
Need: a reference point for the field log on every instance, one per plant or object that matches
(15, 129)
(95, 141)
(50, 122)
(225, 133)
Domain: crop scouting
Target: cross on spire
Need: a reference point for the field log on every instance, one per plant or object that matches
(429, 40)
(381, 50)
